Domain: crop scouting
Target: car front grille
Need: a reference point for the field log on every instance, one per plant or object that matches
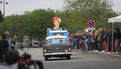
(55, 50)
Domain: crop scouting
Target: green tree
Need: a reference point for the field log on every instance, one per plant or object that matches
(39, 21)
(81, 11)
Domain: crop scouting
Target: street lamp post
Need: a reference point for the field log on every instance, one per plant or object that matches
(1, 15)
(4, 3)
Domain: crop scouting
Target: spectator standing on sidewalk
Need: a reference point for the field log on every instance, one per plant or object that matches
(93, 42)
(7, 38)
(82, 44)
(5, 44)
(102, 39)
(1, 47)
(110, 40)
(105, 39)
(89, 43)
(77, 39)
(72, 41)
(95, 38)
(86, 42)
(99, 40)
(117, 36)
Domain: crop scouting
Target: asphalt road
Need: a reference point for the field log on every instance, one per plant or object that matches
(79, 60)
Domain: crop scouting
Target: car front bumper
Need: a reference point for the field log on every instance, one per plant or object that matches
(58, 53)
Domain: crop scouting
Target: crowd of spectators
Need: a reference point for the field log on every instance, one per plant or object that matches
(100, 40)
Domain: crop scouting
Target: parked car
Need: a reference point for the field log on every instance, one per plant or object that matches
(35, 44)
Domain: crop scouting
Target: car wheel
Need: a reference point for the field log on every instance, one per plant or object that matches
(68, 57)
(46, 58)
(61, 57)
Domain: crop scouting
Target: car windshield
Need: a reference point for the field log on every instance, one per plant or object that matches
(57, 40)
(35, 42)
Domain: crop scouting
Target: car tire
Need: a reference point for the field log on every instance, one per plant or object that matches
(61, 57)
(46, 58)
(68, 57)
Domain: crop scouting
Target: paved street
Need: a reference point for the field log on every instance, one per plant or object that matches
(80, 60)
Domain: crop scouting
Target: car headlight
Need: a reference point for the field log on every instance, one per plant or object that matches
(69, 49)
(45, 50)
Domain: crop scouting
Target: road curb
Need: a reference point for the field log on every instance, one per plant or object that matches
(106, 53)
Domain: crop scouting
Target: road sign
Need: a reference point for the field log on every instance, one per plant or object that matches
(91, 23)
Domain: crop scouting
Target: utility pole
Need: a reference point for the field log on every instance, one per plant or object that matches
(4, 4)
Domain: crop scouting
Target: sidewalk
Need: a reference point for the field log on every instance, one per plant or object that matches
(115, 54)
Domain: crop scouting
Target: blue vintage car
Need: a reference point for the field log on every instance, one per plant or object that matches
(57, 44)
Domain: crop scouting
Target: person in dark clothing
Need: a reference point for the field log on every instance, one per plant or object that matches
(100, 40)
(105, 40)
(110, 41)
(78, 39)
(117, 36)
(89, 43)
(75, 38)
(3, 47)
(96, 41)
(93, 42)
(15, 57)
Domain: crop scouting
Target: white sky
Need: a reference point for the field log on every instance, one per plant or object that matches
(19, 6)
(117, 5)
